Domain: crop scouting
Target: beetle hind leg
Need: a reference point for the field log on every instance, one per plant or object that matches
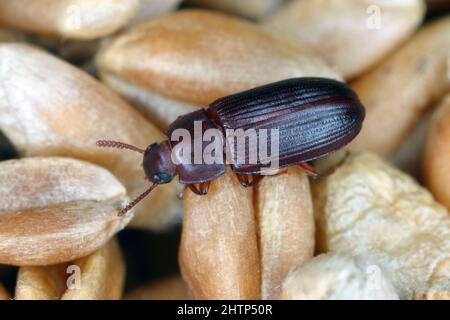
(310, 170)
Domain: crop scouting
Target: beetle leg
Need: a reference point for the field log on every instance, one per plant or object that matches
(310, 170)
(244, 179)
(333, 168)
(194, 188)
(256, 178)
(181, 193)
(201, 190)
(204, 187)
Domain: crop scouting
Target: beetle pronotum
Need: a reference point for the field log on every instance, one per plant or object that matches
(313, 117)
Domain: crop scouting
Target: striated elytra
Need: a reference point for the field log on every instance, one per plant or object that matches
(289, 122)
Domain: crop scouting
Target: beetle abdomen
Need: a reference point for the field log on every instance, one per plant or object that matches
(314, 116)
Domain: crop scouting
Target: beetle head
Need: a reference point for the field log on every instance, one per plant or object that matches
(158, 165)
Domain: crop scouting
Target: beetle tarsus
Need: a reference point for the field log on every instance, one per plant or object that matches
(204, 187)
(245, 181)
(310, 170)
(193, 188)
(180, 194)
(201, 190)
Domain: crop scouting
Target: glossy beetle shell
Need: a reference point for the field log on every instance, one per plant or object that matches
(314, 116)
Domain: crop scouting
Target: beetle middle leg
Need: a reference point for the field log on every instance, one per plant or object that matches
(202, 188)
(180, 194)
(244, 179)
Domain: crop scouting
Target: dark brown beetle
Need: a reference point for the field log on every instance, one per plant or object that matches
(314, 117)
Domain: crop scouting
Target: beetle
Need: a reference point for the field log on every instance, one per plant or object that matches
(313, 117)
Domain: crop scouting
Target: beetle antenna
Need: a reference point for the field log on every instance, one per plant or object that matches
(118, 145)
(137, 200)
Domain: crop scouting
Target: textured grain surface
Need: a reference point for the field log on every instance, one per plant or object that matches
(58, 210)
(398, 91)
(254, 9)
(44, 181)
(409, 156)
(345, 33)
(102, 276)
(371, 209)
(286, 227)
(79, 19)
(436, 160)
(41, 283)
(57, 233)
(219, 256)
(336, 276)
(51, 108)
(149, 9)
(192, 57)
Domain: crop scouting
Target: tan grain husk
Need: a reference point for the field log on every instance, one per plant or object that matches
(397, 93)
(219, 256)
(409, 155)
(439, 289)
(286, 227)
(58, 233)
(336, 276)
(41, 283)
(371, 209)
(189, 58)
(436, 168)
(51, 108)
(345, 33)
(149, 9)
(7, 35)
(168, 288)
(78, 52)
(78, 19)
(253, 9)
(57, 210)
(44, 181)
(102, 277)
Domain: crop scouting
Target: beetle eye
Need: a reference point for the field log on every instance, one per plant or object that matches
(162, 177)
